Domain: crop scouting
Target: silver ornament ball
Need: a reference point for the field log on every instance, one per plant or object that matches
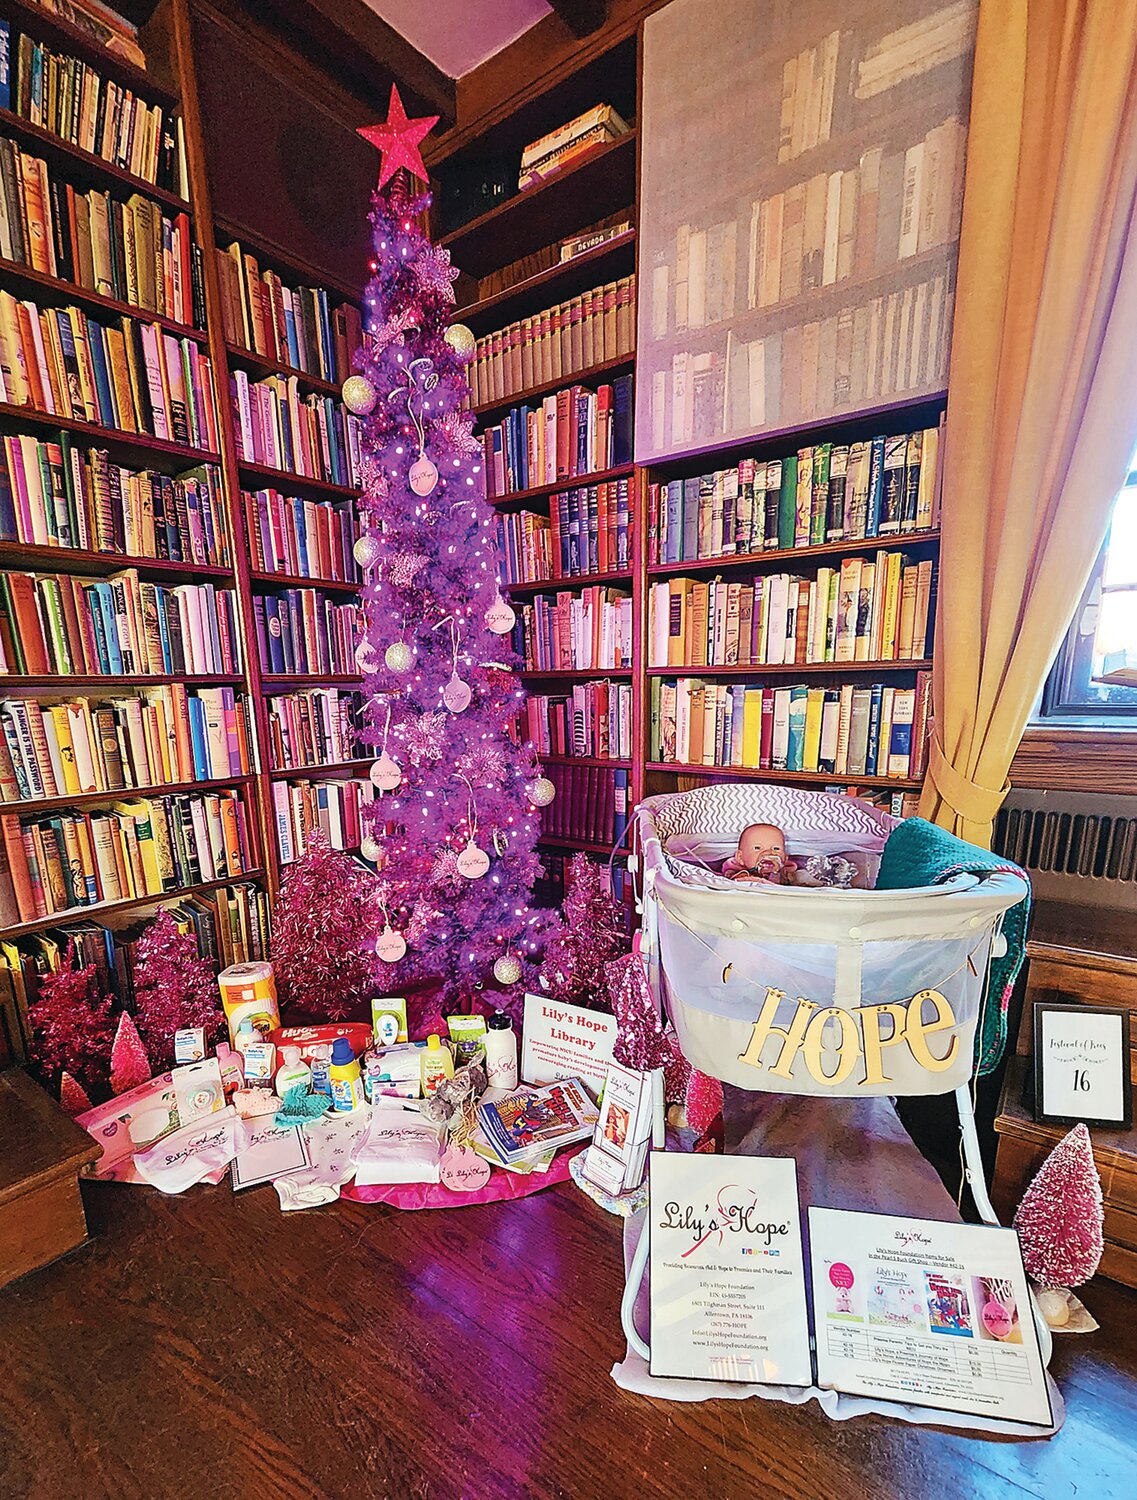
(541, 792)
(370, 848)
(367, 550)
(359, 395)
(507, 970)
(461, 340)
(398, 656)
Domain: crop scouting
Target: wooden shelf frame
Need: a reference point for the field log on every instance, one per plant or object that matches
(800, 669)
(777, 558)
(62, 292)
(609, 261)
(134, 443)
(99, 173)
(45, 558)
(577, 581)
(524, 499)
(100, 909)
(36, 805)
(297, 581)
(622, 364)
(793, 778)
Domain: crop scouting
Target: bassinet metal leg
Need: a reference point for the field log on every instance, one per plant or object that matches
(632, 1283)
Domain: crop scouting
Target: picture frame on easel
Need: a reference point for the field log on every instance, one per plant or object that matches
(1082, 1066)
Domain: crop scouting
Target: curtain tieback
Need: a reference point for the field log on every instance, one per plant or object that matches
(973, 802)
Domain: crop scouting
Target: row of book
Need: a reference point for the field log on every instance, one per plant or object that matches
(300, 631)
(594, 720)
(857, 730)
(229, 926)
(72, 100)
(588, 530)
(553, 152)
(843, 224)
(145, 846)
(305, 538)
(165, 735)
(860, 610)
(887, 347)
(122, 626)
(591, 804)
(313, 728)
(333, 808)
(55, 494)
(122, 248)
(298, 325)
(132, 377)
(313, 437)
(830, 492)
(586, 631)
(573, 432)
(596, 326)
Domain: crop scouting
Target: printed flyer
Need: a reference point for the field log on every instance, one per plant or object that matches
(933, 1313)
(727, 1277)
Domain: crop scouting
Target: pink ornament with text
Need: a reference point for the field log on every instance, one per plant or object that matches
(473, 862)
(456, 694)
(462, 1170)
(423, 476)
(390, 945)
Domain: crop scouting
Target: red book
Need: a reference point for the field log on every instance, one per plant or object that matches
(766, 731)
(565, 411)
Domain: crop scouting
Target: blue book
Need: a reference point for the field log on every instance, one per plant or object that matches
(673, 535)
(198, 742)
(623, 517)
(275, 634)
(621, 421)
(103, 598)
(689, 547)
(164, 631)
(328, 348)
(795, 755)
(5, 65)
(300, 535)
(876, 487)
(872, 753)
(734, 730)
(290, 335)
(108, 413)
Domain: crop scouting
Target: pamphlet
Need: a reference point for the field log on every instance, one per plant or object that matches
(565, 1041)
(615, 1160)
(727, 1276)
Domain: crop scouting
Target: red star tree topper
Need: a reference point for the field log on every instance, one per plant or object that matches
(397, 139)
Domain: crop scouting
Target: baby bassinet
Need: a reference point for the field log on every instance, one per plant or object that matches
(845, 992)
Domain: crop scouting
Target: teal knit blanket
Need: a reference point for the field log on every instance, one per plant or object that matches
(921, 853)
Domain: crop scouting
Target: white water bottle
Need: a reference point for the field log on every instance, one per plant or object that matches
(501, 1052)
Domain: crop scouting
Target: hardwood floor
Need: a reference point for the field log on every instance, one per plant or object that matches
(210, 1346)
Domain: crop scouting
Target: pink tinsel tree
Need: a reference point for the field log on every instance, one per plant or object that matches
(641, 1036)
(588, 936)
(454, 832)
(324, 913)
(1060, 1218)
(129, 1064)
(173, 988)
(71, 1025)
(72, 1096)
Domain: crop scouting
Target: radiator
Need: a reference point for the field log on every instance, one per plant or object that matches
(1076, 846)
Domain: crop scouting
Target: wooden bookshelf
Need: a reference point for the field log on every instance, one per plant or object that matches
(275, 680)
(607, 262)
(523, 499)
(801, 669)
(601, 762)
(777, 558)
(297, 581)
(576, 846)
(792, 778)
(577, 674)
(311, 773)
(261, 364)
(621, 365)
(259, 475)
(135, 450)
(576, 581)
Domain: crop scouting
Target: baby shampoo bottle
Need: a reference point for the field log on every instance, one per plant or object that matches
(435, 1065)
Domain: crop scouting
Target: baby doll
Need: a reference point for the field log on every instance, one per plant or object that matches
(761, 855)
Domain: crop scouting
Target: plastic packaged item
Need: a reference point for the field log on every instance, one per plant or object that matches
(393, 1070)
(189, 1044)
(467, 1036)
(260, 1064)
(321, 1062)
(501, 1052)
(291, 1072)
(389, 1020)
(345, 1076)
(435, 1065)
(248, 992)
(399, 1146)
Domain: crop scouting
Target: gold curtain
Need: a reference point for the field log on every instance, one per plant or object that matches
(1042, 412)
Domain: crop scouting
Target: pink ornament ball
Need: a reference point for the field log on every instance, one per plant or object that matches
(423, 476)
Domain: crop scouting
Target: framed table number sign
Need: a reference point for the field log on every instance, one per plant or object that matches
(1081, 1066)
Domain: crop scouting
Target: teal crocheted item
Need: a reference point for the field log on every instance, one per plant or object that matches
(921, 853)
(299, 1106)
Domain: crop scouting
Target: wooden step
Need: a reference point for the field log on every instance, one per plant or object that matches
(43, 1152)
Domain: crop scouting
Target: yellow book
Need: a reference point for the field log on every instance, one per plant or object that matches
(811, 750)
(929, 471)
(752, 728)
(137, 820)
(53, 349)
(62, 722)
(677, 621)
(121, 387)
(695, 644)
(12, 376)
(891, 613)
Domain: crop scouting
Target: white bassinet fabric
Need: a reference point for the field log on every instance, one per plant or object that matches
(716, 948)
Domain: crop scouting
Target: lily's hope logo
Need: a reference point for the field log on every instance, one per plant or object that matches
(736, 1213)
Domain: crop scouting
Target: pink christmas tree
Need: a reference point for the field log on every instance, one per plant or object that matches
(323, 934)
(173, 988)
(72, 1096)
(455, 827)
(1060, 1218)
(71, 1024)
(588, 936)
(129, 1064)
(642, 1041)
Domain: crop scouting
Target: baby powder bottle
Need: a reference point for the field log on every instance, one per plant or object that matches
(501, 1052)
(346, 1080)
(291, 1072)
(435, 1065)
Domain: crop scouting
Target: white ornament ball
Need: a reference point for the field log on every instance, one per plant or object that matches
(365, 657)
(367, 550)
(461, 340)
(390, 945)
(370, 848)
(385, 773)
(423, 476)
(359, 395)
(398, 656)
(541, 792)
(500, 617)
(473, 862)
(507, 970)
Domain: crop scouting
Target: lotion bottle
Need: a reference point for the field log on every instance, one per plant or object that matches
(435, 1065)
(291, 1072)
(501, 1052)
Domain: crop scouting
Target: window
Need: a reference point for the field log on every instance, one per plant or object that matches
(1095, 673)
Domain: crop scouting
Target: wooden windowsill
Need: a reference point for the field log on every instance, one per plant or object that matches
(1077, 758)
